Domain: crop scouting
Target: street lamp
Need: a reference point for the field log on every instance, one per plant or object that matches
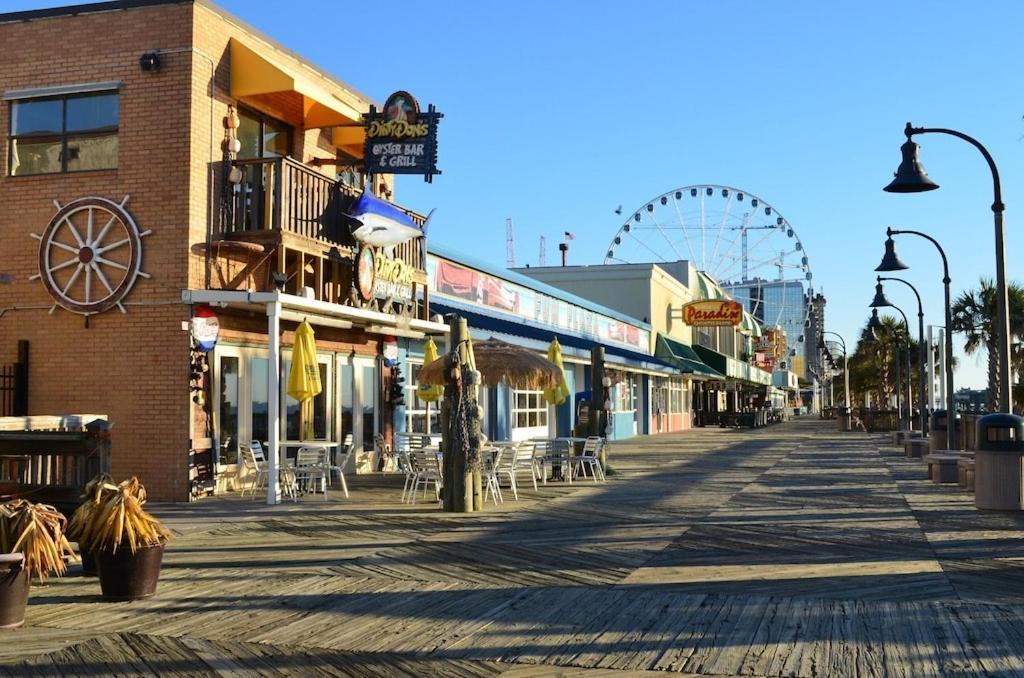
(922, 355)
(891, 262)
(846, 364)
(875, 328)
(911, 178)
(881, 301)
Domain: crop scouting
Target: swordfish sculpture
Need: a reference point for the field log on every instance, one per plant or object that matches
(381, 224)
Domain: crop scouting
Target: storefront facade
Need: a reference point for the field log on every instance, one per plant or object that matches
(190, 164)
(515, 308)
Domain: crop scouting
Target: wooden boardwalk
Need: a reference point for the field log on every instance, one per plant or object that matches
(792, 550)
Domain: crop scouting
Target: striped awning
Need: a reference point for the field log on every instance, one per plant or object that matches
(709, 289)
(750, 326)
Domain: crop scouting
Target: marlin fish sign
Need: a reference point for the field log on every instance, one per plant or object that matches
(381, 224)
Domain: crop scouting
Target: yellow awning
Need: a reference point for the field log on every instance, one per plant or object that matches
(253, 76)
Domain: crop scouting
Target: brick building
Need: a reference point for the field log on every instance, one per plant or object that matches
(114, 160)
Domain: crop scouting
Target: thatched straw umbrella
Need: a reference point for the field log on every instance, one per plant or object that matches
(501, 363)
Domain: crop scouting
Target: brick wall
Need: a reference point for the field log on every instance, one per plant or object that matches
(132, 366)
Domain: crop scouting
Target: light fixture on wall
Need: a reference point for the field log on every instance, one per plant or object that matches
(150, 62)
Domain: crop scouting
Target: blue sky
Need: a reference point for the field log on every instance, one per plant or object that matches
(556, 113)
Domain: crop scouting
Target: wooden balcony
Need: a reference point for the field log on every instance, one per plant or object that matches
(285, 218)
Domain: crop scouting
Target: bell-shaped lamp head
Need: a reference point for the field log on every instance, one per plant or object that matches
(880, 299)
(890, 260)
(910, 176)
(874, 324)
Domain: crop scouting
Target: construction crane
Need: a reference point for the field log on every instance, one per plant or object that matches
(543, 258)
(510, 244)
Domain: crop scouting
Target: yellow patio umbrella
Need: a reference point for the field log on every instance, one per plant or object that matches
(426, 392)
(304, 377)
(557, 394)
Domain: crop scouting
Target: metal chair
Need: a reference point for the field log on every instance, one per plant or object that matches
(590, 458)
(490, 458)
(520, 461)
(311, 469)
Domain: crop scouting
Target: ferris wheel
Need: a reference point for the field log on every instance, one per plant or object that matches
(737, 239)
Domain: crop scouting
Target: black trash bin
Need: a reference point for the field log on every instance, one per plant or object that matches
(997, 462)
(937, 435)
(845, 417)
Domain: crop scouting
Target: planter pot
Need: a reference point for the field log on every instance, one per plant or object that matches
(13, 591)
(88, 562)
(129, 576)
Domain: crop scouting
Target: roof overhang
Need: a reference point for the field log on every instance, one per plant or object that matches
(260, 80)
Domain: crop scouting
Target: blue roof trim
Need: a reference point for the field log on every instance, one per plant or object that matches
(536, 285)
(542, 333)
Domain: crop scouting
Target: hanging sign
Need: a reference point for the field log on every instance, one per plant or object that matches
(205, 328)
(400, 139)
(393, 279)
(366, 273)
(713, 313)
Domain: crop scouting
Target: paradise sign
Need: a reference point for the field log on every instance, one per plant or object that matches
(400, 139)
(713, 313)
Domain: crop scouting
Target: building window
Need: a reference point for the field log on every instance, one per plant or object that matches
(69, 133)
(420, 416)
(261, 136)
(625, 395)
(675, 389)
(529, 409)
(350, 172)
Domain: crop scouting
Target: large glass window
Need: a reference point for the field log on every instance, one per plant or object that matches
(625, 394)
(229, 401)
(258, 397)
(69, 133)
(420, 416)
(367, 393)
(262, 136)
(529, 409)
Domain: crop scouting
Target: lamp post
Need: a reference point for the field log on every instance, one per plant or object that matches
(891, 262)
(912, 178)
(921, 356)
(846, 365)
(875, 328)
(881, 301)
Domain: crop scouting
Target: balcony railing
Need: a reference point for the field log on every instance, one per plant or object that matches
(284, 196)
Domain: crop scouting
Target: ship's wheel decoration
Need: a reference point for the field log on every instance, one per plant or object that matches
(90, 255)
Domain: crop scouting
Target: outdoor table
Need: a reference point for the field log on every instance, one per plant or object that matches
(325, 445)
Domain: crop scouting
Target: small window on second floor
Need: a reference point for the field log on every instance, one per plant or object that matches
(69, 133)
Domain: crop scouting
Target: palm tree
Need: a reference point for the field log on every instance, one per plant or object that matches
(974, 315)
(873, 362)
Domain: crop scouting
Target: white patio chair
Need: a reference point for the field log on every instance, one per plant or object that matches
(489, 458)
(405, 466)
(311, 470)
(590, 458)
(337, 464)
(428, 470)
(256, 470)
(555, 456)
(520, 460)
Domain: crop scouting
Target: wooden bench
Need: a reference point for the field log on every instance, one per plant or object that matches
(915, 448)
(942, 468)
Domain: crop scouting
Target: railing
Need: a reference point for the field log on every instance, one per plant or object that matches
(280, 194)
(51, 458)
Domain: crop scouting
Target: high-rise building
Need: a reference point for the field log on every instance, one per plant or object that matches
(777, 303)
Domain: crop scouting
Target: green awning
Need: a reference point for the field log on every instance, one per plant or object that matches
(750, 326)
(682, 356)
(732, 368)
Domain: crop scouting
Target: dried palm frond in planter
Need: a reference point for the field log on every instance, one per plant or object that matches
(95, 490)
(32, 544)
(127, 542)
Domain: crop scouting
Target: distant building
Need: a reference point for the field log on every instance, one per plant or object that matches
(971, 400)
(781, 303)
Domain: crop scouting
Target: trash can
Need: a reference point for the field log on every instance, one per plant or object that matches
(937, 435)
(845, 417)
(997, 462)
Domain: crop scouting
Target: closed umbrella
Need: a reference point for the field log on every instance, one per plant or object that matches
(557, 394)
(304, 377)
(426, 392)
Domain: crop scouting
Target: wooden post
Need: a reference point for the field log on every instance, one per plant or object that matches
(457, 487)
(599, 417)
